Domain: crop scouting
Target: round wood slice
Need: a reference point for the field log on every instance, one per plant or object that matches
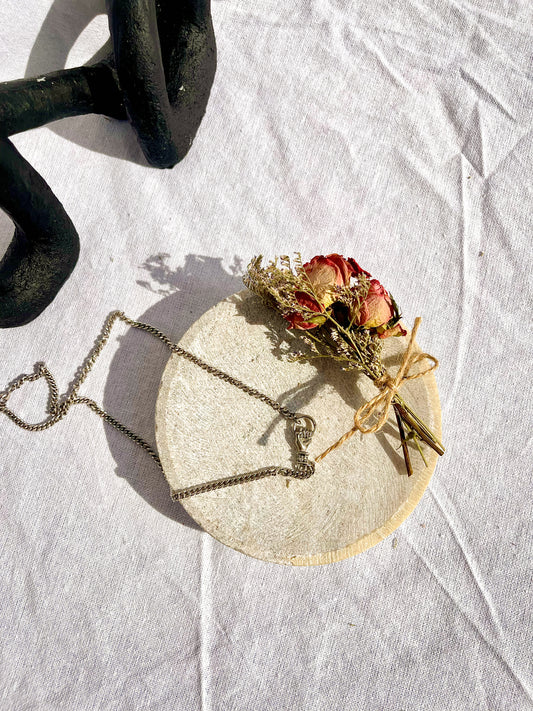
(208, 429)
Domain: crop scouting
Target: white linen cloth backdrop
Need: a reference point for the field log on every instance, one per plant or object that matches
(396, 133)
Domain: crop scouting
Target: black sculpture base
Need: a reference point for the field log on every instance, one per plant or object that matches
(159, 77)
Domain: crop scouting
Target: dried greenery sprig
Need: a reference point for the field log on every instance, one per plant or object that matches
(344, 314)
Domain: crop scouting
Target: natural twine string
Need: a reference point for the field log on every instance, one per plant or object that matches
(388, 388)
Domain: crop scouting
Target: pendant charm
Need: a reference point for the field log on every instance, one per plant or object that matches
(304, 427)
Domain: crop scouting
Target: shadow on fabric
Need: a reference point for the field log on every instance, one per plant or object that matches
(136, 369)
(63, 25)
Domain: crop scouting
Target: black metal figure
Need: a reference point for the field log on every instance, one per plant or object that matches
(158, 76)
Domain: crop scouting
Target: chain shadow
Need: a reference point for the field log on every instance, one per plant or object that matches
(136, 369)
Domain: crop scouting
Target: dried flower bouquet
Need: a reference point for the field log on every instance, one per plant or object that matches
(344, 314)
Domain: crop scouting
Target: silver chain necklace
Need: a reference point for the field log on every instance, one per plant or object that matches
(303, 425)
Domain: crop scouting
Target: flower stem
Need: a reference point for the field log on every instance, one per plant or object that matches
(417, 425)
(417, 443)
(403, 440)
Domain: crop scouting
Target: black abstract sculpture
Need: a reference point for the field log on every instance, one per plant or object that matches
(158, 76)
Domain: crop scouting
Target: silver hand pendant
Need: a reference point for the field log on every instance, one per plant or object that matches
(304, 427)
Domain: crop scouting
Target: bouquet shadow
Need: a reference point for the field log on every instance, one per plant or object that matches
(328, 373)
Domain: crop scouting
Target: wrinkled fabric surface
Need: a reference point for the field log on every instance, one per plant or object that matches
(396, 133)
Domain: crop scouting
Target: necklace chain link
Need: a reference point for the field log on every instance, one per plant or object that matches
(303, 425)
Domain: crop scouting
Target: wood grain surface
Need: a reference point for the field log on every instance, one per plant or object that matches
(207, 429)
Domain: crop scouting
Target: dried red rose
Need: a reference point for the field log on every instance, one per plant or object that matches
(327, 272)
(377, 310)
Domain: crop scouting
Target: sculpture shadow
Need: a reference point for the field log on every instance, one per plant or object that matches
(6, 232)
(136, 369)
(63, 25)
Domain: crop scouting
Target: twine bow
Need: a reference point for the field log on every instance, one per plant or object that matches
(380, 405)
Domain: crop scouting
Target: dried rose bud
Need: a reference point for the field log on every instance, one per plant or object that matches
(377, 310)
(297, 319)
